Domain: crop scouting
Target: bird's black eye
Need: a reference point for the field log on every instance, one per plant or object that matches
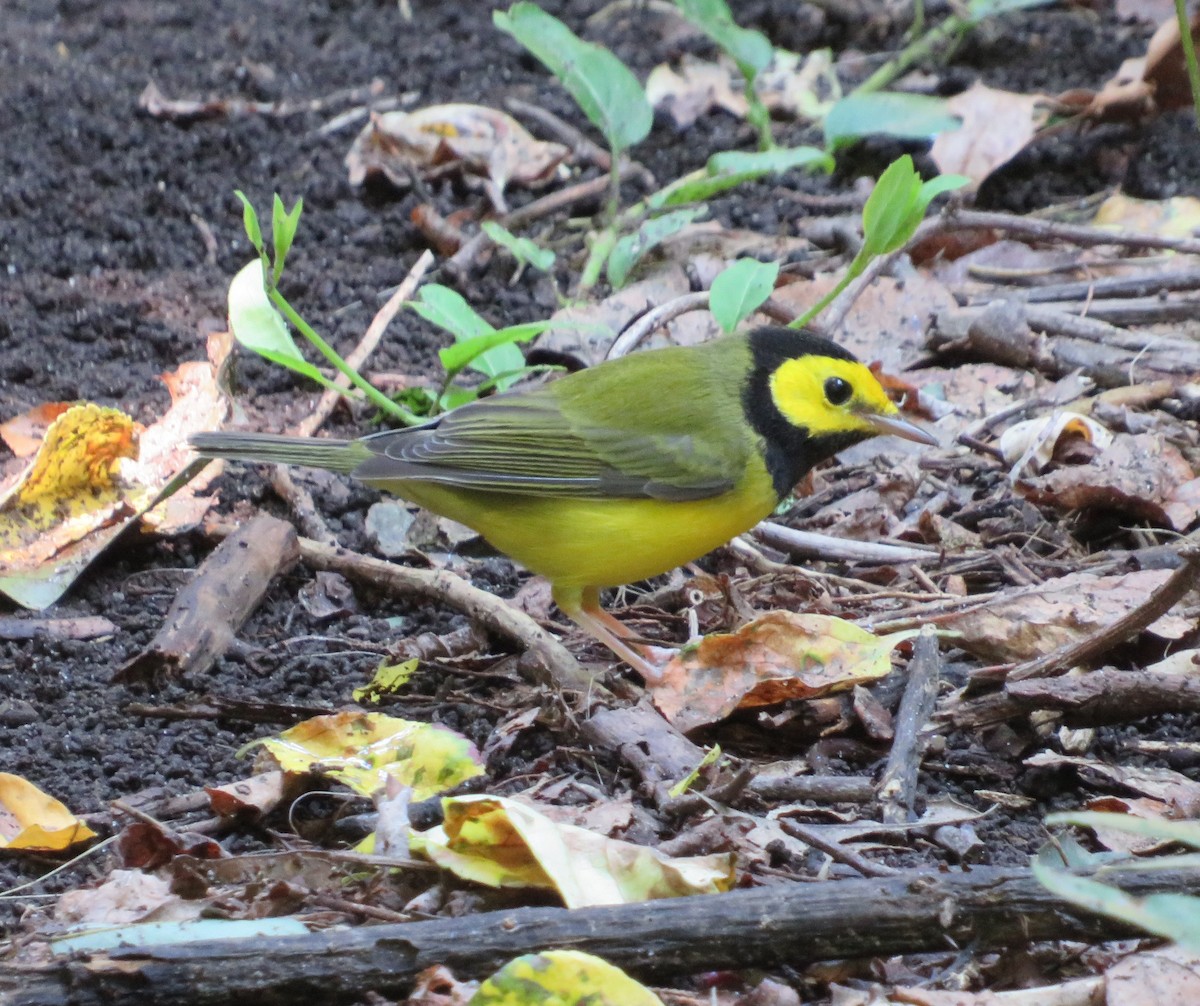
(838, 390)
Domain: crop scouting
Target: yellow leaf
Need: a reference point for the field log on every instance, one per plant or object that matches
(31, 819)
(562, 978)
(364, 749)
(502, 843)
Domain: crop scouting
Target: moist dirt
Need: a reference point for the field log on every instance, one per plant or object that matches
(119, 233)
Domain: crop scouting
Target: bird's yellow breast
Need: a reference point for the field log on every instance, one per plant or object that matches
(579, 543)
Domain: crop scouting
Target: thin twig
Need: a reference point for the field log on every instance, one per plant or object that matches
(628, 340)
(366, 346)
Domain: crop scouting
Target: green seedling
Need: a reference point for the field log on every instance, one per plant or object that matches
(259, 316)
(257, 310)
(652, 220)
(751, 51)
(740, 290)
(1189, 54)
(478, 346)
(891, 216)
(612, 99)
(887, 113)
(604, 88)
(1174, 916)
(526, 251)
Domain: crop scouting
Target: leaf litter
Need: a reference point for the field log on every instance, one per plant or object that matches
(1025, 568)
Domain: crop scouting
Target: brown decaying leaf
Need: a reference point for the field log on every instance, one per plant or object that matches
(780, 655)
(996, 126)
(1175, 789)
(1146, 86)
(1141, 475)
(1027, 623)
(471, 139)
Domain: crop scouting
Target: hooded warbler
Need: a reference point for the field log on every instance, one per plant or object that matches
(624, 470)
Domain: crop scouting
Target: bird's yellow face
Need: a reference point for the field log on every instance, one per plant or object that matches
(829, 397)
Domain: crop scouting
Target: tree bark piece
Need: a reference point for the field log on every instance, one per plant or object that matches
(786, 924)
(209, 611)
(898, 787)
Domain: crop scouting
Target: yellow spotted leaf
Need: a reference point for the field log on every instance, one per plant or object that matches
(364, 750)
(31, 819)
(779, 656)
(562, 978)
(502, 843)
(74, 497)
(389, 679)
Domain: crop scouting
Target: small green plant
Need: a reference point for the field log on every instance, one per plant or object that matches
(1175, 916)
(740, 290)
(615, 103)
(257, 313)
(891, 216)
(1189, 54)
(603, 87)
(751, 51)
(526, 251)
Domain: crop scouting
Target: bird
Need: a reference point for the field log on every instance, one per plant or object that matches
(622, 471)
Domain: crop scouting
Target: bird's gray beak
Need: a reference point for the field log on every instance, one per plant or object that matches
(894, 426)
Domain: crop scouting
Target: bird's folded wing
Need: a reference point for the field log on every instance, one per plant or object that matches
(526, 444)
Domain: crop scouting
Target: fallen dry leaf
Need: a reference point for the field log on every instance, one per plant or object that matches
(24, 433)
(1173, 788)
(126, 896)
(471, 139)
(501, 842)
(996, 126)
(1141, 475)
(33, 820)
(779, 656)
(1177, 217)
(1030, 447)
(1166, 975)
(695, 89)
(1032, 621)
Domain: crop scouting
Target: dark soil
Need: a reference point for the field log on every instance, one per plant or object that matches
(106, 218)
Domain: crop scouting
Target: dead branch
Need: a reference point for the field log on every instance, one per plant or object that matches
(898, 787)
(784, 924)
(207, 613)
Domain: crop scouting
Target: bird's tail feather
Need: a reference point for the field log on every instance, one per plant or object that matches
(314, 452)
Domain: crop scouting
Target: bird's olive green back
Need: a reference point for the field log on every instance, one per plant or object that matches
(664, 424)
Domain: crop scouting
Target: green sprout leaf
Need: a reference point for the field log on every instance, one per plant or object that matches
(629, 250)
(603, 87)
(740, 290)
(977, 10)
(258, 326)
(524, 250)
(886, 113)
(731, 168)
(250, 222)
(897, 206)
(1174, 916)
(750, 50)
(283, 231)
(479, 354)
(446, 308)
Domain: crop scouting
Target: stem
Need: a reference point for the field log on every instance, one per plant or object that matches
(603, 243)
(1189, 55)
(373, 394)
(758, 116)
(614, 188)
(918, 21)
(915, 52)
(853, 271)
